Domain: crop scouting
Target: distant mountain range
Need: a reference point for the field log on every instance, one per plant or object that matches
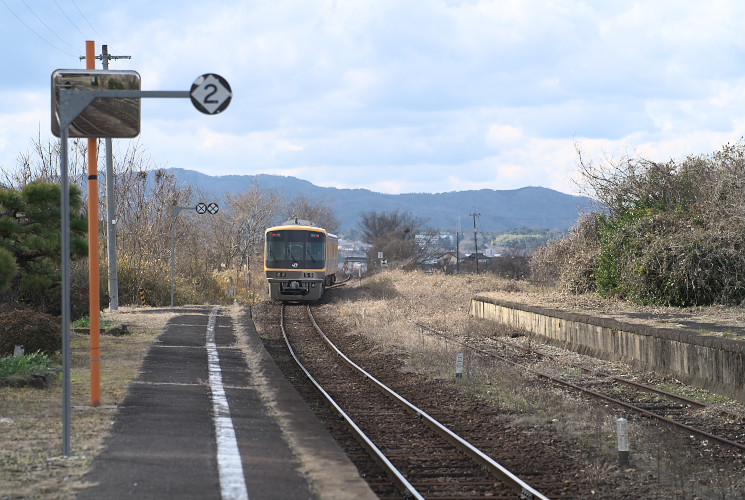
(499, 210)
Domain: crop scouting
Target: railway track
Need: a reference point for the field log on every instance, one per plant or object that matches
(689, 415)
(341, 283)
(423, 458)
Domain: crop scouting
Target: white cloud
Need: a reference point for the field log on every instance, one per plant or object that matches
(503, 134)
(23, 119)
(282, 146)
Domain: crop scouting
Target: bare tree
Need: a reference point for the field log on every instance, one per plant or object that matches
(399, 235)
(237, 231)
(42, 163)
(319, 212)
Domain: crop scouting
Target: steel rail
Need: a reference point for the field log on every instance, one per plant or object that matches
(398, 477)
(525, 490)
(609, 376)
(598, 395)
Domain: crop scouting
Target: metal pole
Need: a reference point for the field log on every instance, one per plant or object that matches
(248, 271)
(111, 209)
(113, 268)
(174, 212)
(65, 265)
(72, 103)
(476, 244)
(111, 230)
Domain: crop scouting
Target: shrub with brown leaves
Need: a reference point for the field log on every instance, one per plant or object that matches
(33, 330)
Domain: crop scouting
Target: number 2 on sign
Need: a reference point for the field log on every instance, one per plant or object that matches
(212, 88)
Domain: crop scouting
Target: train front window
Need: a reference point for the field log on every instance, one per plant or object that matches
(293, 249)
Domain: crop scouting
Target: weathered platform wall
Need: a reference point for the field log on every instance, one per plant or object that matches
(709, 362)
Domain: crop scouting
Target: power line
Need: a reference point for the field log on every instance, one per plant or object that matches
(34, 32)
(46, 25)
(68, 18)
(87, 21)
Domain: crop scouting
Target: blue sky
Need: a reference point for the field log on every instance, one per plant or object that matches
(398, 95)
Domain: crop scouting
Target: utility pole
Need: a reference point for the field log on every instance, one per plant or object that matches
(93, 261)
(475, 240)
(457, 247)
(105, 57)
(94, 300)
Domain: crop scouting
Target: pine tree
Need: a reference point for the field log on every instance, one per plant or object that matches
(30, 243)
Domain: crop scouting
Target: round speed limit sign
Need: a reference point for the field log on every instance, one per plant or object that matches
(210, 94)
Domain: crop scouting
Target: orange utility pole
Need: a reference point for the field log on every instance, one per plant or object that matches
(93, 261)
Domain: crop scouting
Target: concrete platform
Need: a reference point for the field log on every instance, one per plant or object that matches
(173, 439)
(709, 361)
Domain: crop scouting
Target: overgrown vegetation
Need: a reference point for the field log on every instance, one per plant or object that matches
(37, 363)
(671, 233)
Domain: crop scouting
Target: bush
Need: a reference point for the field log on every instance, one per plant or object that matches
(35, 331)
(619, 248)
(155, 279)
(569, 262)
(661, 260)
(671, 233)
(80, 288)
(514, 267)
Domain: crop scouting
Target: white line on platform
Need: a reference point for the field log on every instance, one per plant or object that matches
(229, 465)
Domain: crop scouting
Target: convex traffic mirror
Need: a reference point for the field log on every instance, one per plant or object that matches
(104, 117)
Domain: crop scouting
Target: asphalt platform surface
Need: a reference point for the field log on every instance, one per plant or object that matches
(172, 438)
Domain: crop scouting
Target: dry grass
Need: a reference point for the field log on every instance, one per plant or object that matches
(385, 309)
(31, 419)
(592, 303)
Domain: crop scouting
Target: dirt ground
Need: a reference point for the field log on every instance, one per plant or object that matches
(31, 453)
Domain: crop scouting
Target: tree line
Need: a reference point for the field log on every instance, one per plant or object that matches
(668, 233)
(216, 255)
